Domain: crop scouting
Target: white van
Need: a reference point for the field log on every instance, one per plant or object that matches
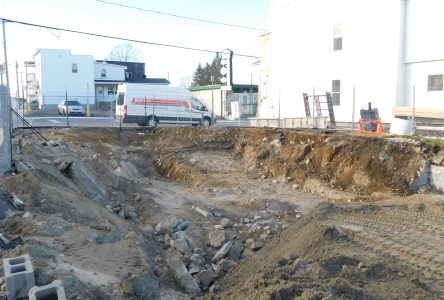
(149, 105)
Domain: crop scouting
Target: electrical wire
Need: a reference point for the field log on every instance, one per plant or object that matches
(120, 38)
(180, 16)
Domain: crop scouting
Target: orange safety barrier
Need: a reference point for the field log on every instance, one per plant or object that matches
(379, 129)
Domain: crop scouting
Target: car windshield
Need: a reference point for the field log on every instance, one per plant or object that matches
(72, 103)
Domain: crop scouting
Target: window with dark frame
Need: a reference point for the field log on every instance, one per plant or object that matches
(336, 92)
(435, 83)
(74, 68)
(103, 73)
(337, 37)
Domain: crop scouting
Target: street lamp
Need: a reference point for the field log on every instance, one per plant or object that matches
(212, 99)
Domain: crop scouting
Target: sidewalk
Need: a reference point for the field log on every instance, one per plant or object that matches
(95, 112)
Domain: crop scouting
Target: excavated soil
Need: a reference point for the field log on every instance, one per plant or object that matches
(307, 214)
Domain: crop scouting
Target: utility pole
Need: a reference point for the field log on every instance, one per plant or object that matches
(212, 100)
(24, 98)
(6, 101)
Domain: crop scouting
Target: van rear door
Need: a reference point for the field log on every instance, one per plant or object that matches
(121, 109)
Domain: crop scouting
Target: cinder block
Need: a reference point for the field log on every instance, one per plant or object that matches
(19, 276)
(53, 291)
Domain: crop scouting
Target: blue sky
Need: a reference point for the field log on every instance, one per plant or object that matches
(97, 17)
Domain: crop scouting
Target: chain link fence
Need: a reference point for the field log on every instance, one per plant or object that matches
(5, 131)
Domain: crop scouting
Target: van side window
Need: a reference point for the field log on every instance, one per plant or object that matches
(120, 98)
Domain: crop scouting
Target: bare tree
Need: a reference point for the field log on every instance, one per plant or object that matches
(185, 81)
(125, 52)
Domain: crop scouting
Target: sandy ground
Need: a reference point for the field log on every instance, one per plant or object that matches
(305, 215)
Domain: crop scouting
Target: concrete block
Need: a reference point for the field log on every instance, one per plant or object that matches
(53, 291)
(19, 276)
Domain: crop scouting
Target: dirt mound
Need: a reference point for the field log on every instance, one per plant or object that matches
(312, 260)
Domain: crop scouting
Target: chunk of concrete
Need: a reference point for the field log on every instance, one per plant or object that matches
(206, 277)
(217, 238)
(167, 225)
(19, 276)
(222, 251)
(181, 245)
(53, 291)
(181, 275)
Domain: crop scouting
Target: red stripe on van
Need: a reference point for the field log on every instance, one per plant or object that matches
(160, 102)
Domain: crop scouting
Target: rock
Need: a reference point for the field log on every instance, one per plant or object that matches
(199, 251)
(360, 265)
(222, 251)
(223, 266)
(218, 227)
(167, 225)
(147, 229)
(249, 241)
(257, 245)
(206, 277)
(183, 225)
(145, 286)
(197, 259)
(181, 245)
(256, 218)
(194, 269)
(167, 239)
(179, 235)
(130, 214)
(203, 212)
(131, 236)
(225, 223)
(181, 275)
(217, 238)
(282, 262)
(274, 181)
(235, 251)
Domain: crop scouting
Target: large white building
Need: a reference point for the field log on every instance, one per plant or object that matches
(385, 49)
(57, 74)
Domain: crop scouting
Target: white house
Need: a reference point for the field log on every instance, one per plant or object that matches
(59, 73)
(107, 77)
(382, 48)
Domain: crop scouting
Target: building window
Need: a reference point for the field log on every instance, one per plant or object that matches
(337, 37)
(128, 75)
(74, 68)
(103, 73)
(100, 91)
(435, 83)
(336, 92)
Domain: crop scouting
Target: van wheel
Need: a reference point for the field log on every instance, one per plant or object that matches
(152, 121)
(206, 122)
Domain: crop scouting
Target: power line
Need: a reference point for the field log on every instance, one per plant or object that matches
(120, 38)
(181, 16)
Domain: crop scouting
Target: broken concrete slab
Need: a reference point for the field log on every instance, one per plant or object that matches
(86, 181)
(181, 245)
(181, 275)
(167, 225)
(206, 277)
(217, 238)
(51, 291)
(202, 212)
(222, 251)
(19, 276)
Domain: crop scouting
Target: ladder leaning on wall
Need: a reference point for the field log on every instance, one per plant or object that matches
(313, 105)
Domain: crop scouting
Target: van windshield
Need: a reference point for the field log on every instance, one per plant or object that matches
(120, 98)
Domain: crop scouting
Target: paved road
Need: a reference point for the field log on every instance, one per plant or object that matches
(96, 121)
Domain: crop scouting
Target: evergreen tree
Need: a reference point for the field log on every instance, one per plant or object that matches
(202, 76)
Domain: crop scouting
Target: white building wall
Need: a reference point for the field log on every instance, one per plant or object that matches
(304, 60)
(425, 55)
(55, 77)
(112, 72)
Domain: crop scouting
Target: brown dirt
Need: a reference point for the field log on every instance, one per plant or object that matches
(74, 231)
